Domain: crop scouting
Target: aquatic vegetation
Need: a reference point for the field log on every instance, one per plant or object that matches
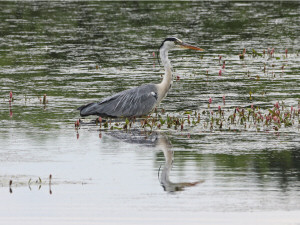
(30, 183)
(277, 118)
(209, 100)
(10, 183)
(242, 56)
(220, 57)
(45, 99)
(77, 124)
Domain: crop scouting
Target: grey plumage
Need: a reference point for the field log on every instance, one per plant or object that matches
(137, 101)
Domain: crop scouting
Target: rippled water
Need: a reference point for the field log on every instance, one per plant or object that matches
(80, 52)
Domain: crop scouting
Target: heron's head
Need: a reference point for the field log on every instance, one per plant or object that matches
(175, 43)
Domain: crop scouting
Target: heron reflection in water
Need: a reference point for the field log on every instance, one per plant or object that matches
(161, 142)
(142, 100)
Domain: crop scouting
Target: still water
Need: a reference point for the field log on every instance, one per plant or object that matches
(75, 53)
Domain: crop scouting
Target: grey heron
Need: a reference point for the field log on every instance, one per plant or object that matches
(142, 100)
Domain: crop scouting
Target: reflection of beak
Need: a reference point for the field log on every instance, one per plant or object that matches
(184, 45)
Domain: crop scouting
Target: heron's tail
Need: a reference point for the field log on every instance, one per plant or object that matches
(89, 109)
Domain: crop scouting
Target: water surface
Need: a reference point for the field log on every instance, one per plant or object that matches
(80, 52)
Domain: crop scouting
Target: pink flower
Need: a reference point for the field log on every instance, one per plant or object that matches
(209, 100)
(10, 95)
(244, 51)
(286, 52)
(77, 123)
(219, 108)
(277, 105)
(220, 73)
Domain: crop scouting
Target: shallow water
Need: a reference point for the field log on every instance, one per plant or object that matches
(77, 53)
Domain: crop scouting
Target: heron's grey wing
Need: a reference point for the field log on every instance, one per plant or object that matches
(138, 101)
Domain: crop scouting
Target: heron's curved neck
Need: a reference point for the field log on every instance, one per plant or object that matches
(168, 154)
(165, 85)
(165, 175)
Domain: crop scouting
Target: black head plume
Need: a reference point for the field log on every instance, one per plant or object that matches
(175, 40)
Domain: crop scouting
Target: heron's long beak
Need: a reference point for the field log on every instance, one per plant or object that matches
(184, 45)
